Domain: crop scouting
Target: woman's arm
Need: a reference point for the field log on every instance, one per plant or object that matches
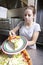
(16, 29)
(13, 31)
(34, 39)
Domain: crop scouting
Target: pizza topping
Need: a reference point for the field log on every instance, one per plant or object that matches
(16, 43)
(16, 59)
(13, 37)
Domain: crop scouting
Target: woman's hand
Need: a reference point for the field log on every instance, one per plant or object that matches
(12, 33)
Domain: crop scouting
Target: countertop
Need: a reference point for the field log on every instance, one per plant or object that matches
(36, 55)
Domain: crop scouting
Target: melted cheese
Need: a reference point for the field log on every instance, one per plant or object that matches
(18, 43)
(13, 60)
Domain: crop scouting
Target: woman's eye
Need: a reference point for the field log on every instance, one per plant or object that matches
(29, 15)
(25, 15)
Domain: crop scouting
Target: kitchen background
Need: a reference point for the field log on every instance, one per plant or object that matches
(13, 14)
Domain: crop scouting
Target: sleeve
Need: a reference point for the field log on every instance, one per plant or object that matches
(37, 28)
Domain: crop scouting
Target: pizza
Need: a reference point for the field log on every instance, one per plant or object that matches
(22, 58)
(15, 42)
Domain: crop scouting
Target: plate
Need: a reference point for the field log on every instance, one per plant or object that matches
(5, 47)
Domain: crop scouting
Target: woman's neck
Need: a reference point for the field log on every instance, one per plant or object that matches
(28, 24)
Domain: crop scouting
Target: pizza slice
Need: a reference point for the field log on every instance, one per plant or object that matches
(16, 42)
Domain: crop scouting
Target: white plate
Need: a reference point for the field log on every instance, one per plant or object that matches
(5, 47)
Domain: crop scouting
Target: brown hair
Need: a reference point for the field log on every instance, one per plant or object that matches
(32, 8)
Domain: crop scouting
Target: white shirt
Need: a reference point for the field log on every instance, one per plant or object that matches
(28, 32)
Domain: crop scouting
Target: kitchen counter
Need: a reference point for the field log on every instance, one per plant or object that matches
(36, 55)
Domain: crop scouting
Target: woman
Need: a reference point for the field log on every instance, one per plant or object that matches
(30, 29)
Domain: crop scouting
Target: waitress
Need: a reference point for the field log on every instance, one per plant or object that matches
(30, 29)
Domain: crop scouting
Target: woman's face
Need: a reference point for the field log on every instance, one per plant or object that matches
(28, 16)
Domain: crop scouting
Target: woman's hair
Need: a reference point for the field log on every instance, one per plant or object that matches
(32, 8)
